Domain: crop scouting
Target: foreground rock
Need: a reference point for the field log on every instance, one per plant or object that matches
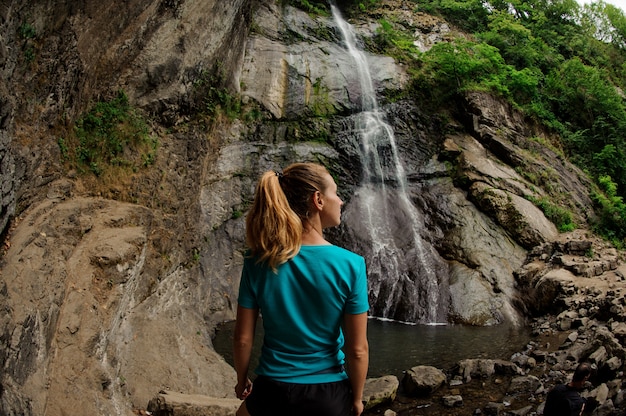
(423, 380)
(169, 403)
(379, 391)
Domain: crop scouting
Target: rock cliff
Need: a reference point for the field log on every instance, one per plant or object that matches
(112, 287)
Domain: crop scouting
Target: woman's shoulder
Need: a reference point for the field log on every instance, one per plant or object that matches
(333, 250)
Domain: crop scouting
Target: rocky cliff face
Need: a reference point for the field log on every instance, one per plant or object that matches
(78, 269)
(112, 290)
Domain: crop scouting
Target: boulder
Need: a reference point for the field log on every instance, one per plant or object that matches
(422, 380)
(484, 368)
(524, 384)
(380, 390)
(599, 357)
(523, 219)
(605, 409)
(169, 403)
(452, 401)
(493, 409)
(600, 394)
(520, 412)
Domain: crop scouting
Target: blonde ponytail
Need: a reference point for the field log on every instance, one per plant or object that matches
(274, 223)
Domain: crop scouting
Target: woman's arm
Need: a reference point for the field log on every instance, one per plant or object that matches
(357, 356)
(243, 340)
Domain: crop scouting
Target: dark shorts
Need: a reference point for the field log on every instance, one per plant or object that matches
(275, 398)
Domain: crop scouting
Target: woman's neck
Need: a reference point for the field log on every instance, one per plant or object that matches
(313, 236)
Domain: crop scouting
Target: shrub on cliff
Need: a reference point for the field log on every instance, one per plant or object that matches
(560, 62)
(110, 134)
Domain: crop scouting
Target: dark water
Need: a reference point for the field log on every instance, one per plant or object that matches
(396, 347)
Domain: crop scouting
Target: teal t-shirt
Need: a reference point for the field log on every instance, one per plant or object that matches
(302, 307)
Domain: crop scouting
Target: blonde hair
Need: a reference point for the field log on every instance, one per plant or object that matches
(281, 205)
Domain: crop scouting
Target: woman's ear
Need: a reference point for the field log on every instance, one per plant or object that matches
(318, 201)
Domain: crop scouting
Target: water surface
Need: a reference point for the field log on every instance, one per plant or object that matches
(396, 347)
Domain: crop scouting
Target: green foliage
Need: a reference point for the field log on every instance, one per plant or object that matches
(592, 118)
(321, 7)
(471, 15)
(310, 6)
(365, 5)
(562, 63)
(27, 31)
(394, 42)
(29, 54)
(195, 256)
(611, 213)
(451, 67)
(560, 217)
(320, 102)
(109, 135)
(216, 99)
(63, 148)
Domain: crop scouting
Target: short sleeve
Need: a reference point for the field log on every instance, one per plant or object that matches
(357, 302)
(246, 298)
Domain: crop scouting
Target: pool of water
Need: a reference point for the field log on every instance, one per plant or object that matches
(396, 347)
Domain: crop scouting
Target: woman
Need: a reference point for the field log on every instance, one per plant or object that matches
(306, 290)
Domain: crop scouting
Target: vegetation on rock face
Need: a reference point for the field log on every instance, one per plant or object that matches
(561, 63)
(320, 7)
(612, 222)
(27, 33)
(216, 98)
(111, 134)
(311, 6)
(560, 217)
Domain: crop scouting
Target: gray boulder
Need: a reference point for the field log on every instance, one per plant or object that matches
(484, 368)
(422, 380)
(452, 401)
(169, 403)
(380, 390)
(524, 384)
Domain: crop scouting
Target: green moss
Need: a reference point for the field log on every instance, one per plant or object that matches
(320, 103)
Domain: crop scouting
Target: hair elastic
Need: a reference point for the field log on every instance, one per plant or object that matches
(279, 174)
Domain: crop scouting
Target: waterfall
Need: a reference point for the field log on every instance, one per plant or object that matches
(402, 268)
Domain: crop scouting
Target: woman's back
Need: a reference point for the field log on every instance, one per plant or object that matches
(302, 306)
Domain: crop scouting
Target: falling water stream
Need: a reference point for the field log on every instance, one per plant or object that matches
(403, 270)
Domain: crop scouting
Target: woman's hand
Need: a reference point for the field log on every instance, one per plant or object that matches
(357, 357)
(242, 390)
(242, 348)
(357, 408)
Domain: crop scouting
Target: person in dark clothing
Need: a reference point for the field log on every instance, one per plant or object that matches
(565, 399)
